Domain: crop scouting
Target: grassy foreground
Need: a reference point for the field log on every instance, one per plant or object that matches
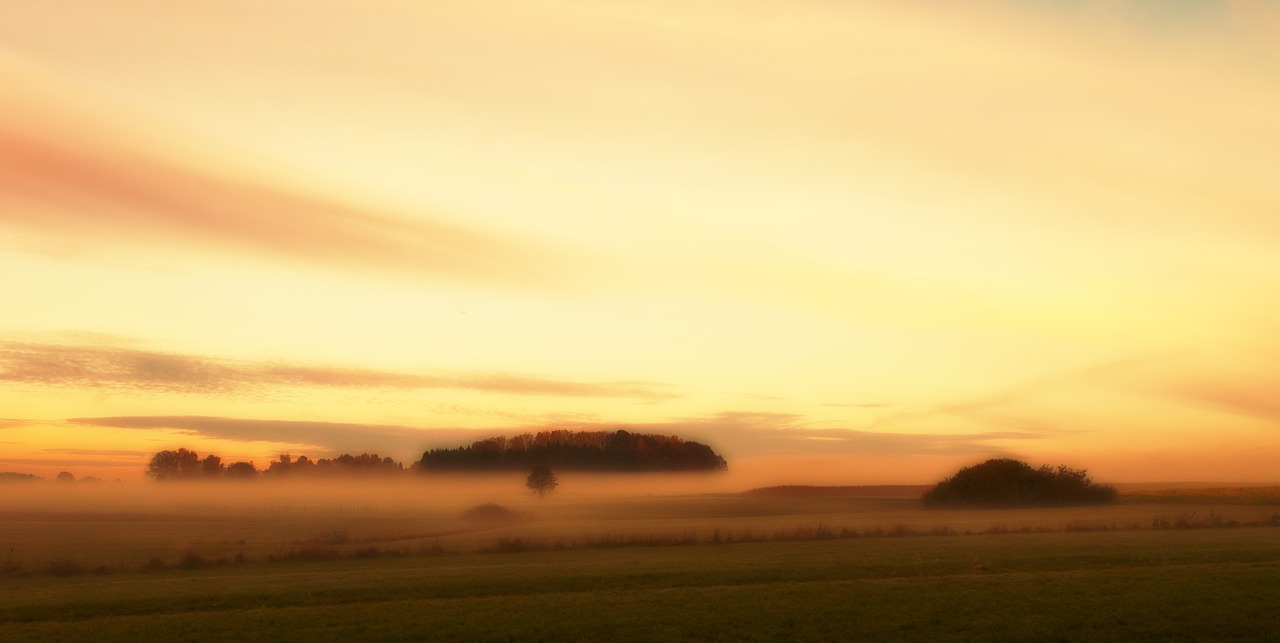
(412, 562)
(1201, 584)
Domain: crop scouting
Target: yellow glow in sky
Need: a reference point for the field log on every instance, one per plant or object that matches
(923, 233)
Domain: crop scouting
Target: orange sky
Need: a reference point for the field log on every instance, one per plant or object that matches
(839, 242)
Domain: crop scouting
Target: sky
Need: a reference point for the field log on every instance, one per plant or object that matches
(841, 243)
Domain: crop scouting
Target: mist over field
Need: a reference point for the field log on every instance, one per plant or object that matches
(480, 556)
(429, 495)
(273, 516)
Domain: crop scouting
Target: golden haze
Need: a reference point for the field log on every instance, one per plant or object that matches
(841, 243)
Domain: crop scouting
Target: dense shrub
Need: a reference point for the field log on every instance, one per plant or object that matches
(1006, 482)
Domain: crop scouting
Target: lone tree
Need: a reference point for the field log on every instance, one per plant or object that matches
(541, 481)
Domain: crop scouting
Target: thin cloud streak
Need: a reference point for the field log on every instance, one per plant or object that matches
(786, 433)
(131, 368)
(108, 452)
(733, 433)
(1252, 399)
(1240, 382)
(986, 408)
(60, 462)
(742, 433)
(328, 437)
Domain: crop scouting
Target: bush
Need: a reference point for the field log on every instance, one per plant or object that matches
(192, 561)
(491, 513)
(334, 537)
(1006, 482)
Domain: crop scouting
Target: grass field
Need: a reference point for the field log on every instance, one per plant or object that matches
(326, 566)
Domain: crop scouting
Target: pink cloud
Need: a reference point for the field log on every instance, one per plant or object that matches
(103, 176)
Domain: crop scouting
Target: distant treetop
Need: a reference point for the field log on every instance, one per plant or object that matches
(617, 451)
(184, 464)
(12, 476)
(345, 464)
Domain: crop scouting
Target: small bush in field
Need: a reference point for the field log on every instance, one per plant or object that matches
(191, 561)
(65, 568)
(491, 513)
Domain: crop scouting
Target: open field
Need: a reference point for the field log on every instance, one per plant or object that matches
(393, 562)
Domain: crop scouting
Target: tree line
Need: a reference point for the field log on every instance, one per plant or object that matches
(184, 464)
(63, 477)
(617, 451)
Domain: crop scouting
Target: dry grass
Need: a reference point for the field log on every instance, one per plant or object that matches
(1149, 584)
(411, 563)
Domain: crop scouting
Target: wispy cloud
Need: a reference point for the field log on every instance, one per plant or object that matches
(325, 437)
(103, 452)
(732, 433)
(109, 177)
(992, 409)
(1252, 399)
(758, 433)
(133, 368)
(491, 382)
(788, 433)
(1240, 382)
(59, 462)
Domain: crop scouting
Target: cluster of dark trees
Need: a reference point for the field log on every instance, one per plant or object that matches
(576, 451)
(184, 464)
(63, 477)
(345, 464)
(12, 476)
(1004, 482)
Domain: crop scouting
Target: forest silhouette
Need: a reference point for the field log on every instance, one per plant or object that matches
(589, 451)
(184, 464)
(597, 451)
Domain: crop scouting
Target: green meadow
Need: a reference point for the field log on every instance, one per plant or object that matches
(200, 563)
